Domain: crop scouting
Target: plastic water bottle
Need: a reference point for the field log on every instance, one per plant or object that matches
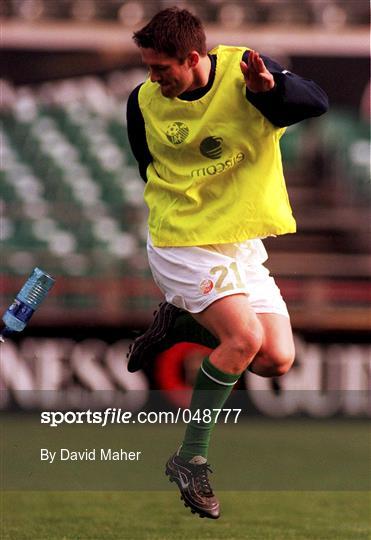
(26, 302)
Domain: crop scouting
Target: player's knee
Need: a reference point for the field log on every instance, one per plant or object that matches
(282, 361)
(273, 363)
(244, 345)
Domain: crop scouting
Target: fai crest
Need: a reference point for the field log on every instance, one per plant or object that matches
(177, 132)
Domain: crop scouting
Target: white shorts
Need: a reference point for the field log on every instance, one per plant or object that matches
(192, 278)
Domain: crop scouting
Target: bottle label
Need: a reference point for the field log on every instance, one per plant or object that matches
(21, 311)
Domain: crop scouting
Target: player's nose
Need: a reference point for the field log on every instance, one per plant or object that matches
(153, 75)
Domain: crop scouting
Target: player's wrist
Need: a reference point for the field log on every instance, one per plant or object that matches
(253, 90)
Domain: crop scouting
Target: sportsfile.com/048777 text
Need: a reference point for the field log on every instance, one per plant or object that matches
(118, 416)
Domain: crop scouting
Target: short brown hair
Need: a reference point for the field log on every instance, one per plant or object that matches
(174, 32)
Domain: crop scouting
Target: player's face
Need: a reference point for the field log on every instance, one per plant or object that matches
(173, 76)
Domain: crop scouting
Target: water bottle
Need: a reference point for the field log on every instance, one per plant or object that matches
(27, 301)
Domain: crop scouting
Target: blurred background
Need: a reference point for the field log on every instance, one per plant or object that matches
(71, 196)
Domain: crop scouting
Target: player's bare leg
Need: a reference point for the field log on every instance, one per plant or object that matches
(238, 329)
(240, 333)
(277, 352)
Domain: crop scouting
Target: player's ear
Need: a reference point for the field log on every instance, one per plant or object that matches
(193, 59)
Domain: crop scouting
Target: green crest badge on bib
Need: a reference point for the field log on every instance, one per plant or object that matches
(177, 132)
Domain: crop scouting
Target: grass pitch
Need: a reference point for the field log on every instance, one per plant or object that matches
(161, 516)
(291, 480)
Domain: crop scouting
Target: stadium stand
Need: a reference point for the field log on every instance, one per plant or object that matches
(329, 14)
(71, 201)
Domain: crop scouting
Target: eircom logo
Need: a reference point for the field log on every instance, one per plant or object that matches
(220, 167)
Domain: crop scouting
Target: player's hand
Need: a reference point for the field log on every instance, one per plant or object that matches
(257, 77)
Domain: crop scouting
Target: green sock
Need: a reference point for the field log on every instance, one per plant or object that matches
(186, 328)
(211, 390)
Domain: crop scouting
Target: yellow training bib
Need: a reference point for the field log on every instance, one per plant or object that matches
(216, 175)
